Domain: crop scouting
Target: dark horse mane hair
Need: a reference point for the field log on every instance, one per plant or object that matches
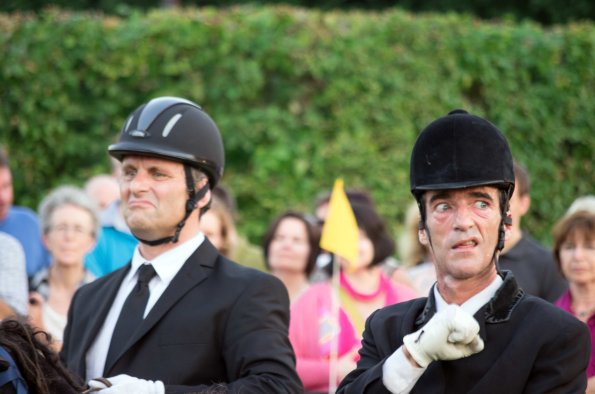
(39, 365)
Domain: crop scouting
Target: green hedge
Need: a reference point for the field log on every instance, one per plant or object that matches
(543, 11)
(301, 97)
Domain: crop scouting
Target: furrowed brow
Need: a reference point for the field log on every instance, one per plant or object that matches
(481, 195)
(440, 195)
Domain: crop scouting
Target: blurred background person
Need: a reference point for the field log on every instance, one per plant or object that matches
(13, 278)
(531, 264)
(115, 243)
(417, 269)
(574, 252)
(324, 267)
(103, 189)
(290, 248)
(218, 225)
(20, 222)
(70, 224)
(584, 203)
(363, 289)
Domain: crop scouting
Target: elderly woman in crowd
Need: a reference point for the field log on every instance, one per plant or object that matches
(70, 223)
(574, 251)
(290, 248)
(364, 288)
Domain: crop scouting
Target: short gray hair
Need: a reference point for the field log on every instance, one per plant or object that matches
(67, 195)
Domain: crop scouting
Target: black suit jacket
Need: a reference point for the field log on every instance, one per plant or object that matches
(217, 325)
(531, 346)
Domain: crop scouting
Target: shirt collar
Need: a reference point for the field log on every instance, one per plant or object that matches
(169, 263)
(473, 304)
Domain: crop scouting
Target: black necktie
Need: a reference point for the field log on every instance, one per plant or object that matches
(131, 315)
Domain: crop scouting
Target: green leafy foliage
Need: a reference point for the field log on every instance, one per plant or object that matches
(301, 97)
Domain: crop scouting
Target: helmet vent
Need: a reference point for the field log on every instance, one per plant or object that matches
(139, 133)
(170, 124)
(128, 123)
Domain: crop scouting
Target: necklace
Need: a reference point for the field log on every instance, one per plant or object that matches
(383, 287)
(585, 313)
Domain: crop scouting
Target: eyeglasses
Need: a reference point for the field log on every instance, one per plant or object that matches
(64, 229)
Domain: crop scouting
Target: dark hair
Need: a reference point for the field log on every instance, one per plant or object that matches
(37, 362)
(313, 238)
(370, 222)
(523, 183)
(355, 196)
(570, 227)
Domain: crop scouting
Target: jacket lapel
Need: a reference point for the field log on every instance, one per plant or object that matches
(101, 307)
(196, 269)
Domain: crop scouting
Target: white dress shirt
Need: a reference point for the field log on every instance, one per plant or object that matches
(398, 375)
(166, 266)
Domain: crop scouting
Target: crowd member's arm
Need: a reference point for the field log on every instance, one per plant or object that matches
(13, 280)
(591, 385)
(315, 372)
(5, 310)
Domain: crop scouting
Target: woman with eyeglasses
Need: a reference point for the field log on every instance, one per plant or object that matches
(70, 225)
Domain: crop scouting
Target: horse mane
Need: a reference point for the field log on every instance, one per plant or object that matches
(39, 365)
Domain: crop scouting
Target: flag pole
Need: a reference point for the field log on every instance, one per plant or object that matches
(335, 306)
(340, 238)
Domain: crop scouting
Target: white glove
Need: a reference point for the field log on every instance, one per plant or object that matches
(449, 335)
(124, 384)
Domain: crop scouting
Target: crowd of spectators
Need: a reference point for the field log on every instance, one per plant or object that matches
(79, 234)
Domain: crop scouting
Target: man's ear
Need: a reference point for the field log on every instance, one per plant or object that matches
(206, 198)
(508, 226)
(422, 235)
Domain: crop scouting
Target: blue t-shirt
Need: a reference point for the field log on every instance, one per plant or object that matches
(114, 249)
(22, 223)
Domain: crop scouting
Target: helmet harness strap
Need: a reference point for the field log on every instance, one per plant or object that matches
(505, 221)
(193, 197)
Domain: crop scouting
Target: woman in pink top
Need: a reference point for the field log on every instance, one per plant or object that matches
(574, 251)
(363, 289)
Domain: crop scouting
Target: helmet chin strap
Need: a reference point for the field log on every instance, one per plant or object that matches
(193, 198)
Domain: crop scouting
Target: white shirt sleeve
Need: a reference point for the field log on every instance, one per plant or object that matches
(398, 375)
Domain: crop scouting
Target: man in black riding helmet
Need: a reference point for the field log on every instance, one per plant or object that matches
(179, 317)
(476, 332)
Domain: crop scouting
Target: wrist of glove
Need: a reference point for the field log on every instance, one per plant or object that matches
(124, 384)
(450, 334)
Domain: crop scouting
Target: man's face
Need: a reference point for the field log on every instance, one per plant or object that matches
(463, 229)
(153, 195)
(6, 191)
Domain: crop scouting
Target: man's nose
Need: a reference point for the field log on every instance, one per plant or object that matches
(462, 218)
(139, 183)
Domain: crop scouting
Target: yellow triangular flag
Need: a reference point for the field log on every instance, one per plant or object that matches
(340, 232)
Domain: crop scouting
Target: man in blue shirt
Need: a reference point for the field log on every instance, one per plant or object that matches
(20, 222)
